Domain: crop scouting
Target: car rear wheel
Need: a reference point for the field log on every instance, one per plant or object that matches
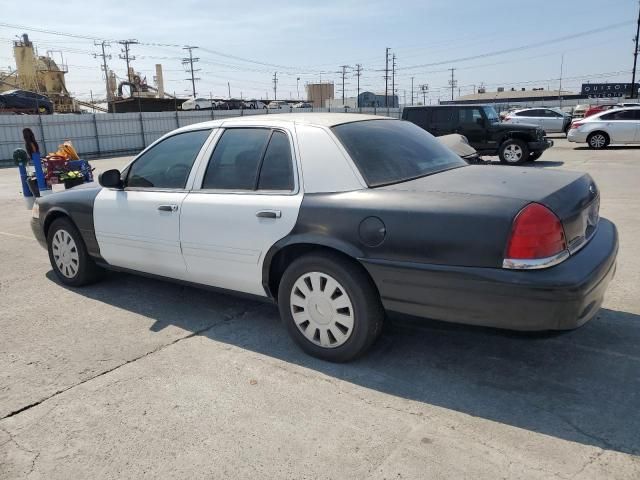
(68, 255)
(513, 152)
(197, 107)
(330, 307)
(597, 140)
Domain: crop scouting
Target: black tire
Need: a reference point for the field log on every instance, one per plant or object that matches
(368, 313)
(2, 105)
(533, 156)
(197, 107)
(598, 140)
(516, 159)
(87, 270)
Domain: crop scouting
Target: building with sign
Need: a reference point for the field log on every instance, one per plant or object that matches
(609, 90)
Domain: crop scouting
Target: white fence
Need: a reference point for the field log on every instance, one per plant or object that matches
(110, 134)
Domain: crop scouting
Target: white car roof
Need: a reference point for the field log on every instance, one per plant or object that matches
(276, 119)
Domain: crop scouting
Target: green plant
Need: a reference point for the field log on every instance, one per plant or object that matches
(73, 174)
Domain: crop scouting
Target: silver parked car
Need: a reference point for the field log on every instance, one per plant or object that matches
(551, 120)
(620, 125)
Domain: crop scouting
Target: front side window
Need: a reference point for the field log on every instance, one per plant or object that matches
(393, 151)
(491, 114)
(168, 163)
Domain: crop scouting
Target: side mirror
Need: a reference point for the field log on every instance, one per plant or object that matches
(111, 179)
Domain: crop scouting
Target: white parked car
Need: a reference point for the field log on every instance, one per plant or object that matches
(255, 104)
(551, 120)
(196, 104)
(278, 105)
(621, 125)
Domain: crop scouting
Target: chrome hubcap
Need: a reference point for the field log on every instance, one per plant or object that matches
(512, 153)
(598, 141)
(322, 309)
(65, 253)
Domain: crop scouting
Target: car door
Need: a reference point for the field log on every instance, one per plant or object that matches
(553, 121)
(531, 117)
(138, 227)
(620, 125)
(472, 124)
(245, 199)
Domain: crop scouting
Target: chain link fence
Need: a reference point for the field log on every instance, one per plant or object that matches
(113, 134)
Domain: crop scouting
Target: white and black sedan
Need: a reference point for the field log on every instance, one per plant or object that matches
(339, 218)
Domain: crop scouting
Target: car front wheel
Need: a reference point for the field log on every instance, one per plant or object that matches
(513, 152)
(330, 307)
(68, 255)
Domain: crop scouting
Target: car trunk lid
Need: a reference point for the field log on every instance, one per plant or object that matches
(572, 196)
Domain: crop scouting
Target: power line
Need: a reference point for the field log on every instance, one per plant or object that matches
(522, 47)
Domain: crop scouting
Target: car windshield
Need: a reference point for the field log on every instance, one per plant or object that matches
(491, 114)
(393, 151)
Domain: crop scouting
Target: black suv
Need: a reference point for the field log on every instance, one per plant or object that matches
(513, 143)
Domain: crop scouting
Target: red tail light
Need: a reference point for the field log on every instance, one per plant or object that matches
(507, 119)
(576, 125)
(536, 234)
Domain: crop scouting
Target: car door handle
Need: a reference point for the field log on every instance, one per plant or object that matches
(168, 208)
(269, 214)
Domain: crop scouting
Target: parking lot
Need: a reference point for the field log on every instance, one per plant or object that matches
(137, 378)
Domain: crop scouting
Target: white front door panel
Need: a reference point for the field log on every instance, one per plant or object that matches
(224, 241)
(140, 230)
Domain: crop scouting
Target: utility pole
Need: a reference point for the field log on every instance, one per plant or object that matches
(104, 56)
(344, 73)
(126, 57)
(393, 81)
(386, 77)
(358, 73)
(452, 82)
(425, 88)
(275, 85)
(190, 61)
(298, 86)
(560, 86)
(411, 90)
(634, 90)
(229, 89)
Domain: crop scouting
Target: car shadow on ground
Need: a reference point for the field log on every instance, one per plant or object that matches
(582, 386)
(611, 147)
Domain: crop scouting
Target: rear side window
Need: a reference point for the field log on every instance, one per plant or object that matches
(469, 115)
(621, 115)
(250, 159)
(276, 172)
(417, 116)
(234, 163)
(443, 117)
(168, 163)
(392, 151)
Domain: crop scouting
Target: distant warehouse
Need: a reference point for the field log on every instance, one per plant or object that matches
(503, 98)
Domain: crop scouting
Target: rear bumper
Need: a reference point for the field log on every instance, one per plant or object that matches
(558, 298)
(540, 146)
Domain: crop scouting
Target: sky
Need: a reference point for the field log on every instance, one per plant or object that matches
(242, 43)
